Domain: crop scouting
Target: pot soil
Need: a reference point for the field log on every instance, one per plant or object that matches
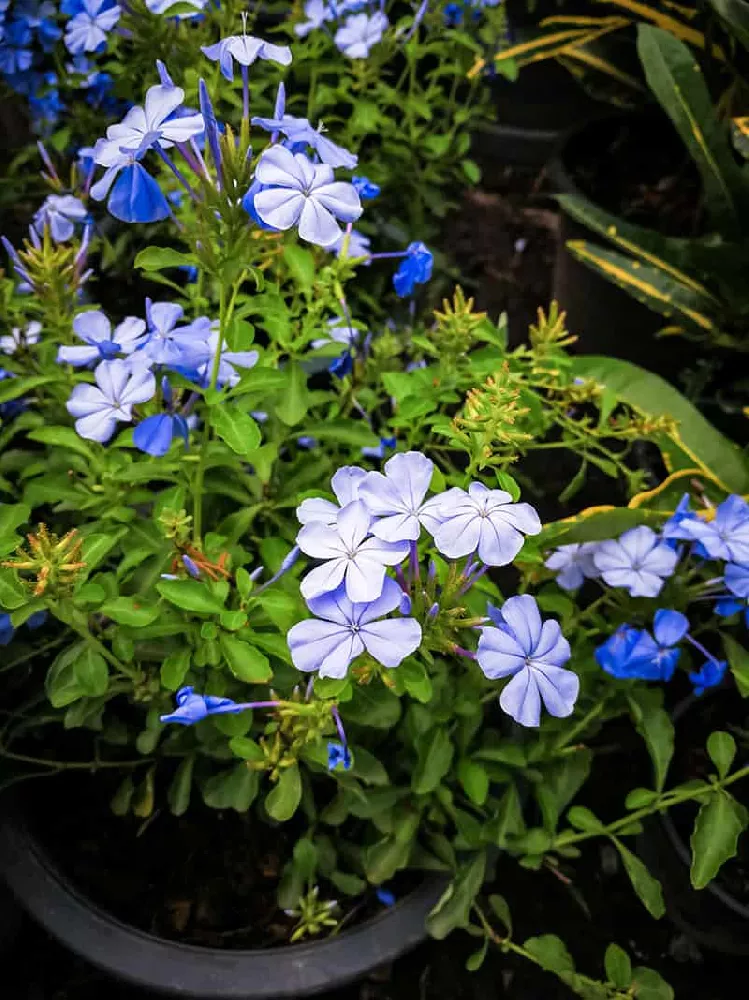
(636, 167)
(187, 906)
(716, 917)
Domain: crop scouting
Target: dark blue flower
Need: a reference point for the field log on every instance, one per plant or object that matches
(710, 675)
(154, 435)
(365, 188)
(342, 366)
(386, 444)
(385, 896)
(36, 620)
(338, 754)
(6, 629)
(415, 269)
(453, 14)
(191, 707)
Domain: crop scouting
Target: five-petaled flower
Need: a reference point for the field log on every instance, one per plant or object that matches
(726, 536)
(60, 213)
(245, 49)
(575, 564)
(87, 31)
(102, 343)
(349, 555)
(635, 654)
(344, 629)
(359, 33)
(531, 652)
(345, 484)
(484, 521)
(415, 269)
(396, 499)
(98, 408)
(155, 122)
(638, 560)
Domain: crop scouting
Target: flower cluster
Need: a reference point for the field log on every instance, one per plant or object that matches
(357, 28)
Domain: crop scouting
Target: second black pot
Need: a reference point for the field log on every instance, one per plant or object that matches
(188, 971)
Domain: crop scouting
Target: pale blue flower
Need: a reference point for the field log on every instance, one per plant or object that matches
(726, 536)
(356, 244)
(359, 33)
(317, 13)
(338, 753)
(349, 555)
(531, 652)
(98, 408)
(575, 564)
(300, 132)
(484, 521)
(164, 7)
(173, 345)
(639, 561)
(87, 31)
(396, 499)
(345, 484)
(201, 369)
(343, 630)
(20, 338)
(245, 49)
(737, 579)
(300, 193)
(60, 213)
(102, 343)
(155, 122)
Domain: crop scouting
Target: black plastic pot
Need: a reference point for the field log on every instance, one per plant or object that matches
(712, 916)
(187, 971)
(532, 113)
(605, 318)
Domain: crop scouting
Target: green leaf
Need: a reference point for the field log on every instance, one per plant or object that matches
(649, 985)
(174, 669)
(96, 547)
(234, 788)
(715, 836)
(190, 595)
(301, 265)
(674, 76)
(90, 670)
(618, 967)
(245, 662)
(509, 818)
(178, 795)
(235, 427)
(12, 516)
(129, 611)
(12, 388)
(583, 819)
(63, 437)
(435, 751)
(474, 779)
(454, 907)
(157, 258)
(654, 724)
(646, 887)
(501, 911)
(736, 15)
(356, 433)
(551, 953)
(738, 662)
(373, 705)
(283, 800)
(598, 525)
(246, 748)
(293, 404)
(650, 394)
(13, 594)
(721, 748)
(61, 684)
(476, 960)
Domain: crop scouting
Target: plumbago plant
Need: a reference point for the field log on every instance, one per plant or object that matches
(226, 589)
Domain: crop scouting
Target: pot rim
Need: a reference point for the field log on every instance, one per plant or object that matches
(187, 970)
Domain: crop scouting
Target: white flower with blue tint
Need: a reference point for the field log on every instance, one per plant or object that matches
(531, 652)
(348, 554)
(339, 332)
(20, 338)
(345, 484)
(98, 408)
(170, 344)
(484, 521)
(87, 31)
(155, 122)
(397, 499)
(60, 213)
(297, 192)
(299, 132)
(245, 49)
(726, 536)
(317, 13)
(640, 561)
(202, 369)
(574, 563)
(343, 630)
(355, 244)
(102, 343)
(359, 33)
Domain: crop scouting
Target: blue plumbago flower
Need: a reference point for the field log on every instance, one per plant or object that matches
(651, 659)
(349, 555)
(483, 520)
(675, 528)
(245, 49)
(191, 566)
(155, 123)
(61, 213)
(192, 708)
(531, 652)
(135, 196)
(353, 244)
(385, 896)
(342, 366)
(202, 366)
(737, 579)
(300, 133)
(87, 31)
(15, 54)
(6, 629)
(397, 498)
(338, 754)
(172, 345)
(317, 13)
(98, 408)
(379, 451)
(21, 338)
(615, 654)
(154, 436)
(415, 269)
(454, 14)
(575, 564)
(710, 675)
(164, 6)
(726, 536)
(359, 33)
(639, 561)
(36, 620)
(727, 606)
(345, 484)
(11, 409)
(300, 193)
(103, 344)
(343, 630)
(366, 189)
(340, 331)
